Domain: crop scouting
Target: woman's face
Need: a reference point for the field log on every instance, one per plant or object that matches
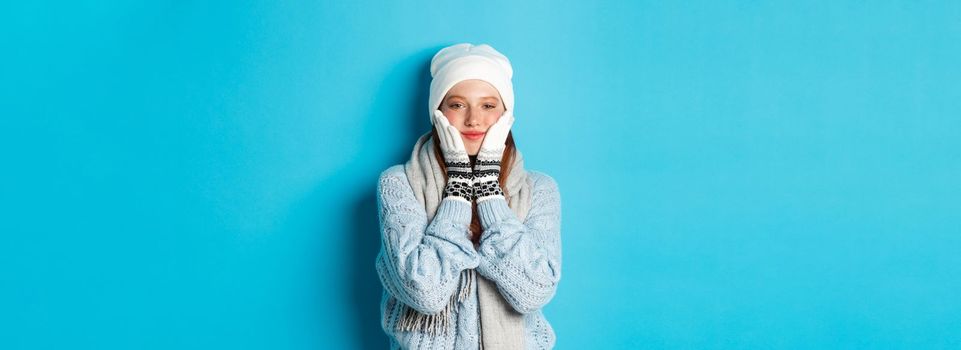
(472, 106)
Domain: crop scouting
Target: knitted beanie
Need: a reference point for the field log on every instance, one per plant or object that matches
(465, 61)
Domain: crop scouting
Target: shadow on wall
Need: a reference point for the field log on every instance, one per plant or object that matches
(408, 85)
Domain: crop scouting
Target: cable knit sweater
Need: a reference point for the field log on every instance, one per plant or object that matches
(420, 262)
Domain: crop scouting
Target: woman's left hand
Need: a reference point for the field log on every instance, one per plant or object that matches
(487, 168)
(494, 141)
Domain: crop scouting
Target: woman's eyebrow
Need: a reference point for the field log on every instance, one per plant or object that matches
(483, 98)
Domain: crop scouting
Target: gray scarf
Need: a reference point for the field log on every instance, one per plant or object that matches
(502, 327)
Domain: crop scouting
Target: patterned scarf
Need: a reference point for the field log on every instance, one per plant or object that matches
(501, 326)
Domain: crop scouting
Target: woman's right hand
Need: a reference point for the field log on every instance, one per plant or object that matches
(460, 177)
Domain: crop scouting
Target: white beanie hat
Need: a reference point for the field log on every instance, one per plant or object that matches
(465, 61)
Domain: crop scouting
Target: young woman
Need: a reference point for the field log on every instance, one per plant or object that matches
(471, 246)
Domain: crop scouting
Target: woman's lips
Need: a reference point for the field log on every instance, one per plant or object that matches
(473, 135)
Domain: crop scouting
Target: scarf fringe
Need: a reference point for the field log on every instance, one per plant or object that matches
(439, 323)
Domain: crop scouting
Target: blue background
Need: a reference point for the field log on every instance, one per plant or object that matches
(740, 176)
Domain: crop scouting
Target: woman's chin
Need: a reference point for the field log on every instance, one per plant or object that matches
(472, 147)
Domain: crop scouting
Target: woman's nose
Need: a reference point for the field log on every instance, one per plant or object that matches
(472, 118)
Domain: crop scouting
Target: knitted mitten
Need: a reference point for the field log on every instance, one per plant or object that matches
(459, 177)
(487, 168)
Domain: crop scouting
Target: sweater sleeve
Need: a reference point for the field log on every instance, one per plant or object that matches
(523, 258)
(420, 263)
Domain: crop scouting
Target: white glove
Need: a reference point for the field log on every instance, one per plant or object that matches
(487, 168)
(460, 179)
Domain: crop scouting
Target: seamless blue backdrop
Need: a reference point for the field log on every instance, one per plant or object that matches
(748, 175)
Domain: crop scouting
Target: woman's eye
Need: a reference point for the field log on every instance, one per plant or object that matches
(454, 105)
(489, 106)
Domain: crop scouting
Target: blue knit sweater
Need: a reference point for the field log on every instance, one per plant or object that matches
(420, 262)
